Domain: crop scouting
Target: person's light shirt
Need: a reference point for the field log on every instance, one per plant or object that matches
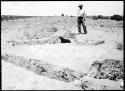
(80, 13)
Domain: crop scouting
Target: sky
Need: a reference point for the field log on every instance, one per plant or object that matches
(52, 8)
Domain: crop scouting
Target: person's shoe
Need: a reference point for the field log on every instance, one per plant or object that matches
(86, 32)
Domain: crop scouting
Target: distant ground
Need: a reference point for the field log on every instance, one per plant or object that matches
(33, 45)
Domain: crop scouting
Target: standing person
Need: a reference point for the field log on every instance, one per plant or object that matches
(81, 19)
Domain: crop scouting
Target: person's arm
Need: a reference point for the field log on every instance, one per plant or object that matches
(84, 15)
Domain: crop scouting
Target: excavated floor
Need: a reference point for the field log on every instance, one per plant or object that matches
(65, 62)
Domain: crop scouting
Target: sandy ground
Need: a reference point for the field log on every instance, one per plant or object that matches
(100, 43)
(16, 78)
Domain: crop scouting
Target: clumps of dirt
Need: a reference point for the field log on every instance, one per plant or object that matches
(85, 85)
(51, 29)
(68, 75)
(101, 25)
(120, 47)
(111, 69)
(90, 42)
(43, 69)
(88, 83)
(70, 35)
(99, 42)
(53, 40)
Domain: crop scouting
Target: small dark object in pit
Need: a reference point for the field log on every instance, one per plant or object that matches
(64, 40)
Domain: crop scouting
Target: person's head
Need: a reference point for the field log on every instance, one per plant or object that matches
(80, 6)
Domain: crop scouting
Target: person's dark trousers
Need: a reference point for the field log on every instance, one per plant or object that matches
(80, 22)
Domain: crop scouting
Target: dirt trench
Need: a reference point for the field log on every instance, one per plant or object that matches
(111, 70)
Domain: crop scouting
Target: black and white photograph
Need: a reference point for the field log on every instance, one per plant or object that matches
(62, 45)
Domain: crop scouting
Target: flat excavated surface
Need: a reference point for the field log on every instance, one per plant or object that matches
(70, 56)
